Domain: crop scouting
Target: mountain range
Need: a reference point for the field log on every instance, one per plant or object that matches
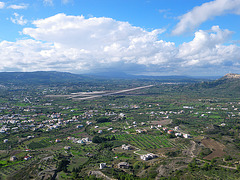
(228, 85)
(46, 77)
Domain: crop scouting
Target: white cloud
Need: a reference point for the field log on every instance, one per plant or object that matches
(93, 34)
(208, 49)
(22, 6)
(77, 44)
(105, 41)
(200, 14)
(204, 41)
(21, 54)
(163, 10)
(48, 2)
(18, 19)
(65, 1)
(2, 5)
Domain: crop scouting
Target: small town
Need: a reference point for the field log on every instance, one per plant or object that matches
(119, 90)
(133, 132)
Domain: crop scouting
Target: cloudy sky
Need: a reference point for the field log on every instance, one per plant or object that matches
(151, 37)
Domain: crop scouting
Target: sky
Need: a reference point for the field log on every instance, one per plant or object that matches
(148, 37)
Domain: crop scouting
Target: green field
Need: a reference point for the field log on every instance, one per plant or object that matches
(145, 141)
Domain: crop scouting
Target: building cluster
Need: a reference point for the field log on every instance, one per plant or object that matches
(176, 132)
(79, 140)
(126, 147)
(46, 125)
(123, 165)
(148, 156)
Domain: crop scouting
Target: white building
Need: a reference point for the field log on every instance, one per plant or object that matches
(126, 147)
(79, 126)
(176, 128)
(67, 147)
(102, 165)
(186, 136)
(121, 115)
(148, 156)
(178, 134)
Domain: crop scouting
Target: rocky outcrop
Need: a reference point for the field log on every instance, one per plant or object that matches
(231, 76)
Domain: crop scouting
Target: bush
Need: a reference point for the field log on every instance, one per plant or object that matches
(98, 139)
(228, 158)
(205, 152)
(62, 165)
(137, 165)
(103, 119)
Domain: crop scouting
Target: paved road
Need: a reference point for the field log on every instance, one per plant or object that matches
(112, 93)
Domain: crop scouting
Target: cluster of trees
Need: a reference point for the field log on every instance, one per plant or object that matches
(102, 119)
(98, 139)
(121, 175)
(62, 165)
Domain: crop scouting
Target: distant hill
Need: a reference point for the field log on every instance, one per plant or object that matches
(47, 77)
(38, 77)
(228, 85)
(173, 78)
(231, 76)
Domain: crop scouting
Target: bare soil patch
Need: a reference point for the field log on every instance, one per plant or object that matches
(215, 146)
(162, 122)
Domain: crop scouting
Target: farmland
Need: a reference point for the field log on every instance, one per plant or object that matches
(216, 147)
(180, 132)
(146, 141)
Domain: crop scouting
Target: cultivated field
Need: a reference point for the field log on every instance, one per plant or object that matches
(215, 146)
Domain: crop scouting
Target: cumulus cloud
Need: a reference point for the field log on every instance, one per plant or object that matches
(92, 33)
(200, 14)
(18, 55)
(2, 5)
(207, 49)
(22, 6)
(108, 39)
(103, 40)
(78, 44)
(18, 19)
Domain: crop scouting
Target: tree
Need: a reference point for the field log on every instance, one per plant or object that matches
(102, 119)
(227, 158)
(62, 165)
(206, 166)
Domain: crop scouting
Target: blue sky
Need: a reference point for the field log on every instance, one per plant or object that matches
(151, 37)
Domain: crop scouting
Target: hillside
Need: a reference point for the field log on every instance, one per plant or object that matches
(228, 85)
(132, 129)
(48, 77)
(38, 77)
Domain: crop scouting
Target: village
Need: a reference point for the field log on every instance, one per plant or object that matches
(112, 133)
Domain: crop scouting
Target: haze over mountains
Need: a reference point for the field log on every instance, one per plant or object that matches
(41, 77)
(228, 85)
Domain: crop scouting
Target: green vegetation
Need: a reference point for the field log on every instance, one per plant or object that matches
(40, 144)
(145, 141)
(191, 130)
